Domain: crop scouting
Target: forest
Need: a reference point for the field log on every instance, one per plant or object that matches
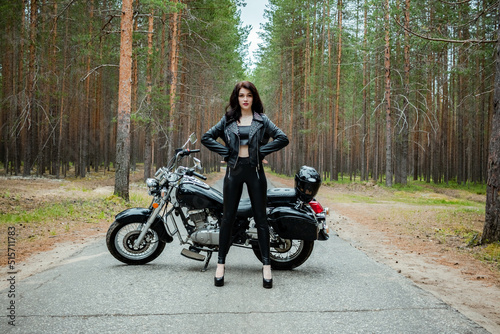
(60, 67)
(389, 90)
(383, 89)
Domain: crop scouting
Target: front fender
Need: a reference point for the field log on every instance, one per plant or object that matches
(141, 215)
(133, 214)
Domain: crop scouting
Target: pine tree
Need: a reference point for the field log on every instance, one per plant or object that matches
(124, 103)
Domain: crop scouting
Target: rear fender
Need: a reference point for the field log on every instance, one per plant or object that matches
(141, 215)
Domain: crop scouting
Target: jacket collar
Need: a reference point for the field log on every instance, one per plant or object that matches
(233, 125)
(256, 125)
(256, 117)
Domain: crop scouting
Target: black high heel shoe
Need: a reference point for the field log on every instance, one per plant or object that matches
(266, 283)
(219, 281)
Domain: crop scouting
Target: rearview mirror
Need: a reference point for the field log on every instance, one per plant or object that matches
(197, 163)
(192, 139)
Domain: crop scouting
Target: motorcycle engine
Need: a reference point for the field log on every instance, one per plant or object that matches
(207, 232)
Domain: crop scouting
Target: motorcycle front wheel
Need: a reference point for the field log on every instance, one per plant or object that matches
(290, 254)
(120, 240)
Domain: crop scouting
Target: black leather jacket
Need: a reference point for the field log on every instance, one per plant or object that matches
(258, 142)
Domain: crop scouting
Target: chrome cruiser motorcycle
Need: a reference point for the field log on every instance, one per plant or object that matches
(183, 205)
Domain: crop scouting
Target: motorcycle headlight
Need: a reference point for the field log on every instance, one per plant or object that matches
(152, 185)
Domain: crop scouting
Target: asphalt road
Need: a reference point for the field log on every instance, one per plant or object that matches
(338, 290)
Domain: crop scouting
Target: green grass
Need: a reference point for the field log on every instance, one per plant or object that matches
(90, 211)
(491, 254)
(431, 198)
(7, 195)
(413, 185)
(47, 212)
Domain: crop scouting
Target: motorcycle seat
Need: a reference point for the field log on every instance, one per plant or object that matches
(275, 197)
(245, 208)
(281, 196)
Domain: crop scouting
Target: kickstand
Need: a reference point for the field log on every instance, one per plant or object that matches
(209, 256)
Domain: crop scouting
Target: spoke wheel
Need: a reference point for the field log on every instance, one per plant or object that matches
(121, 238)
(288, 253)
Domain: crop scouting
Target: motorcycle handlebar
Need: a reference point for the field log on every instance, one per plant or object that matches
(191, 172)
(203, 177)
(185, 152)
(179, 154)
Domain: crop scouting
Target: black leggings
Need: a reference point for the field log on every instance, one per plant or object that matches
(256, 182)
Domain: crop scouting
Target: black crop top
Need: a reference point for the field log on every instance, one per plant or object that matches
(244, 134)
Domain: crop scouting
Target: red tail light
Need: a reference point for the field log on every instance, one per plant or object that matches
(317, 208)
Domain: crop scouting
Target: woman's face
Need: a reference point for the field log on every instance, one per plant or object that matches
(245, 99)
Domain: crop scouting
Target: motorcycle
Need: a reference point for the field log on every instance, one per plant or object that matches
(180, 199)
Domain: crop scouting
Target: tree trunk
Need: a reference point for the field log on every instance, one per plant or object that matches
(53, 88)
(376, 135)
(135, 89)
(330, 96)
(292, 132)
(303, 156)
(174, 53)
(28, 118)
(406, 106)
(148, 154)
(491, 231)
(62, 105)
(364, 171)
(7, 90)
(337, 97)
(444, 122)
(280, 159)
(124, 103)
(416, 148)
(86, 111)
(388, 123)
(18, 155)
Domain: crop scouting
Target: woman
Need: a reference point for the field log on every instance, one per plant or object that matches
(245, 131)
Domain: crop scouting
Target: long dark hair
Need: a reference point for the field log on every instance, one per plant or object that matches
(233, 109)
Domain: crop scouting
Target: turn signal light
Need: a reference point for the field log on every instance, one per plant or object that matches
(317, 208)
(155, 205)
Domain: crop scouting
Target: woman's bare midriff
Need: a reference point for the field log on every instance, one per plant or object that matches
(243, 151)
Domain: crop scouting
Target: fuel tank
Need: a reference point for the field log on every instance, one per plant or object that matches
(195, 194)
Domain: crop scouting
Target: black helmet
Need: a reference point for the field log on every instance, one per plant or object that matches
(307, 183)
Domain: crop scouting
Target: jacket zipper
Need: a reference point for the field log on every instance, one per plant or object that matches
(229, 143)
(258, 158)
(239, 141)
(258, 155)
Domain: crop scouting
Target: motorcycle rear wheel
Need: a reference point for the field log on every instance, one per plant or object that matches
(293, 254)
(121, 237)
